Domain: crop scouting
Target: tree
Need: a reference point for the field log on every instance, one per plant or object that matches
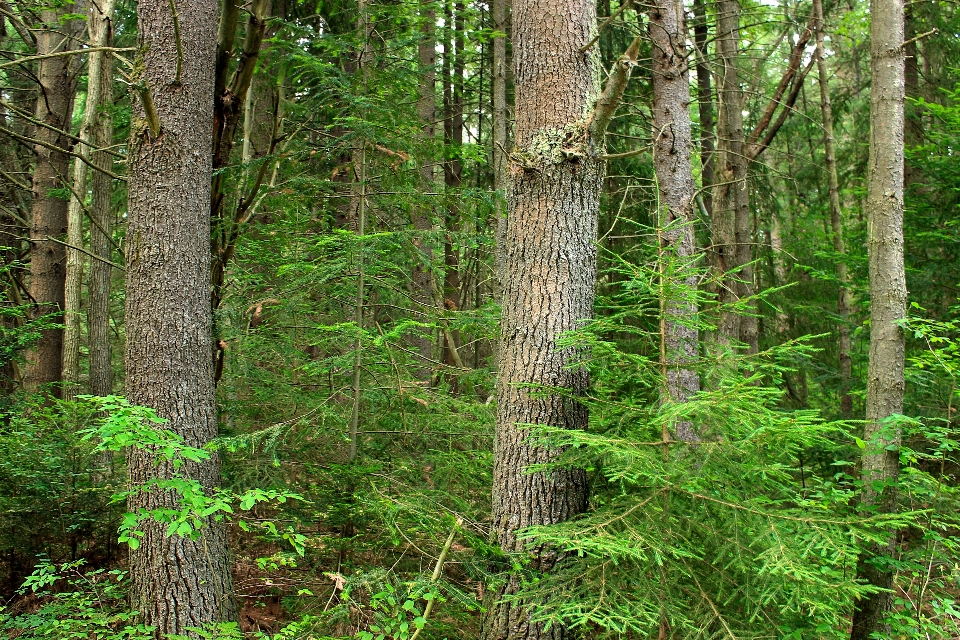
(555, 178)
(672, 146)
(844, 302)
(101, 215)
(96, 129)
(48, 225)
(888, 299)
(168, 309)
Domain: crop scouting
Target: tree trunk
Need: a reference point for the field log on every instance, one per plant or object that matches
(704, 104)
(731, 197)
(421, 217)
(672, 146)
(836, 222)
(229, 99)
(888, 298)
(452, 170)
(101, 228)
(555, 177)
(176, 582)
(99, 96)
(49, 212)
(500, 130)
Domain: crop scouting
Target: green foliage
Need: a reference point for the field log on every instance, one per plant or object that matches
(751, 527)
(54, 487)
(75, 603)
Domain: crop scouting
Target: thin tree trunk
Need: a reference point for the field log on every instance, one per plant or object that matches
(99, 96)
(101, 229)
(672, 146)
(555, 180)
(500, 129)
(229, 99)
(704, 104)
(176, 582)
(358, 212)
(452, 169)
(49, 212)
(836, 221)
(888, 298)
(731, 199)
(421, 216)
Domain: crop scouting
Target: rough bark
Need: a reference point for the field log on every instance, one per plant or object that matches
(731, 201)
(704, 105)
(555, 177)
(888, 297)
(176, 582)
(49, 212)
(844, 302)
(672, 146)
(99, 97)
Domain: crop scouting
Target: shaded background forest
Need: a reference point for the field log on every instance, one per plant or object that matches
(355, 291)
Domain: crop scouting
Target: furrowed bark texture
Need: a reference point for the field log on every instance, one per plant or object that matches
(844, 302)
(101, 228)
(731, 196)
(672, 145)
(99, 90)
(176, 582)
(555, 177)
(888, 296)
(48, 260)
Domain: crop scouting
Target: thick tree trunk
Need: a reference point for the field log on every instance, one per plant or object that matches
(176, 582)
(101, 228)
(555, 177)
(888, 298)
(672, 146)
(49, 212)
(99, 96)
(731, 196)
(704, 104)
(836, 221)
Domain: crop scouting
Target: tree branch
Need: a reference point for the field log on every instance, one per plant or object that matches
(788, 76)
(605, 24)
(754, 150)
(610, 98)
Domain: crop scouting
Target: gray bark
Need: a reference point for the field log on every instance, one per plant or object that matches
(555, 177)
(704, 104)
(888, 295)
(500, 150)
(731, 198)
(672, 146)
(176, 582)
